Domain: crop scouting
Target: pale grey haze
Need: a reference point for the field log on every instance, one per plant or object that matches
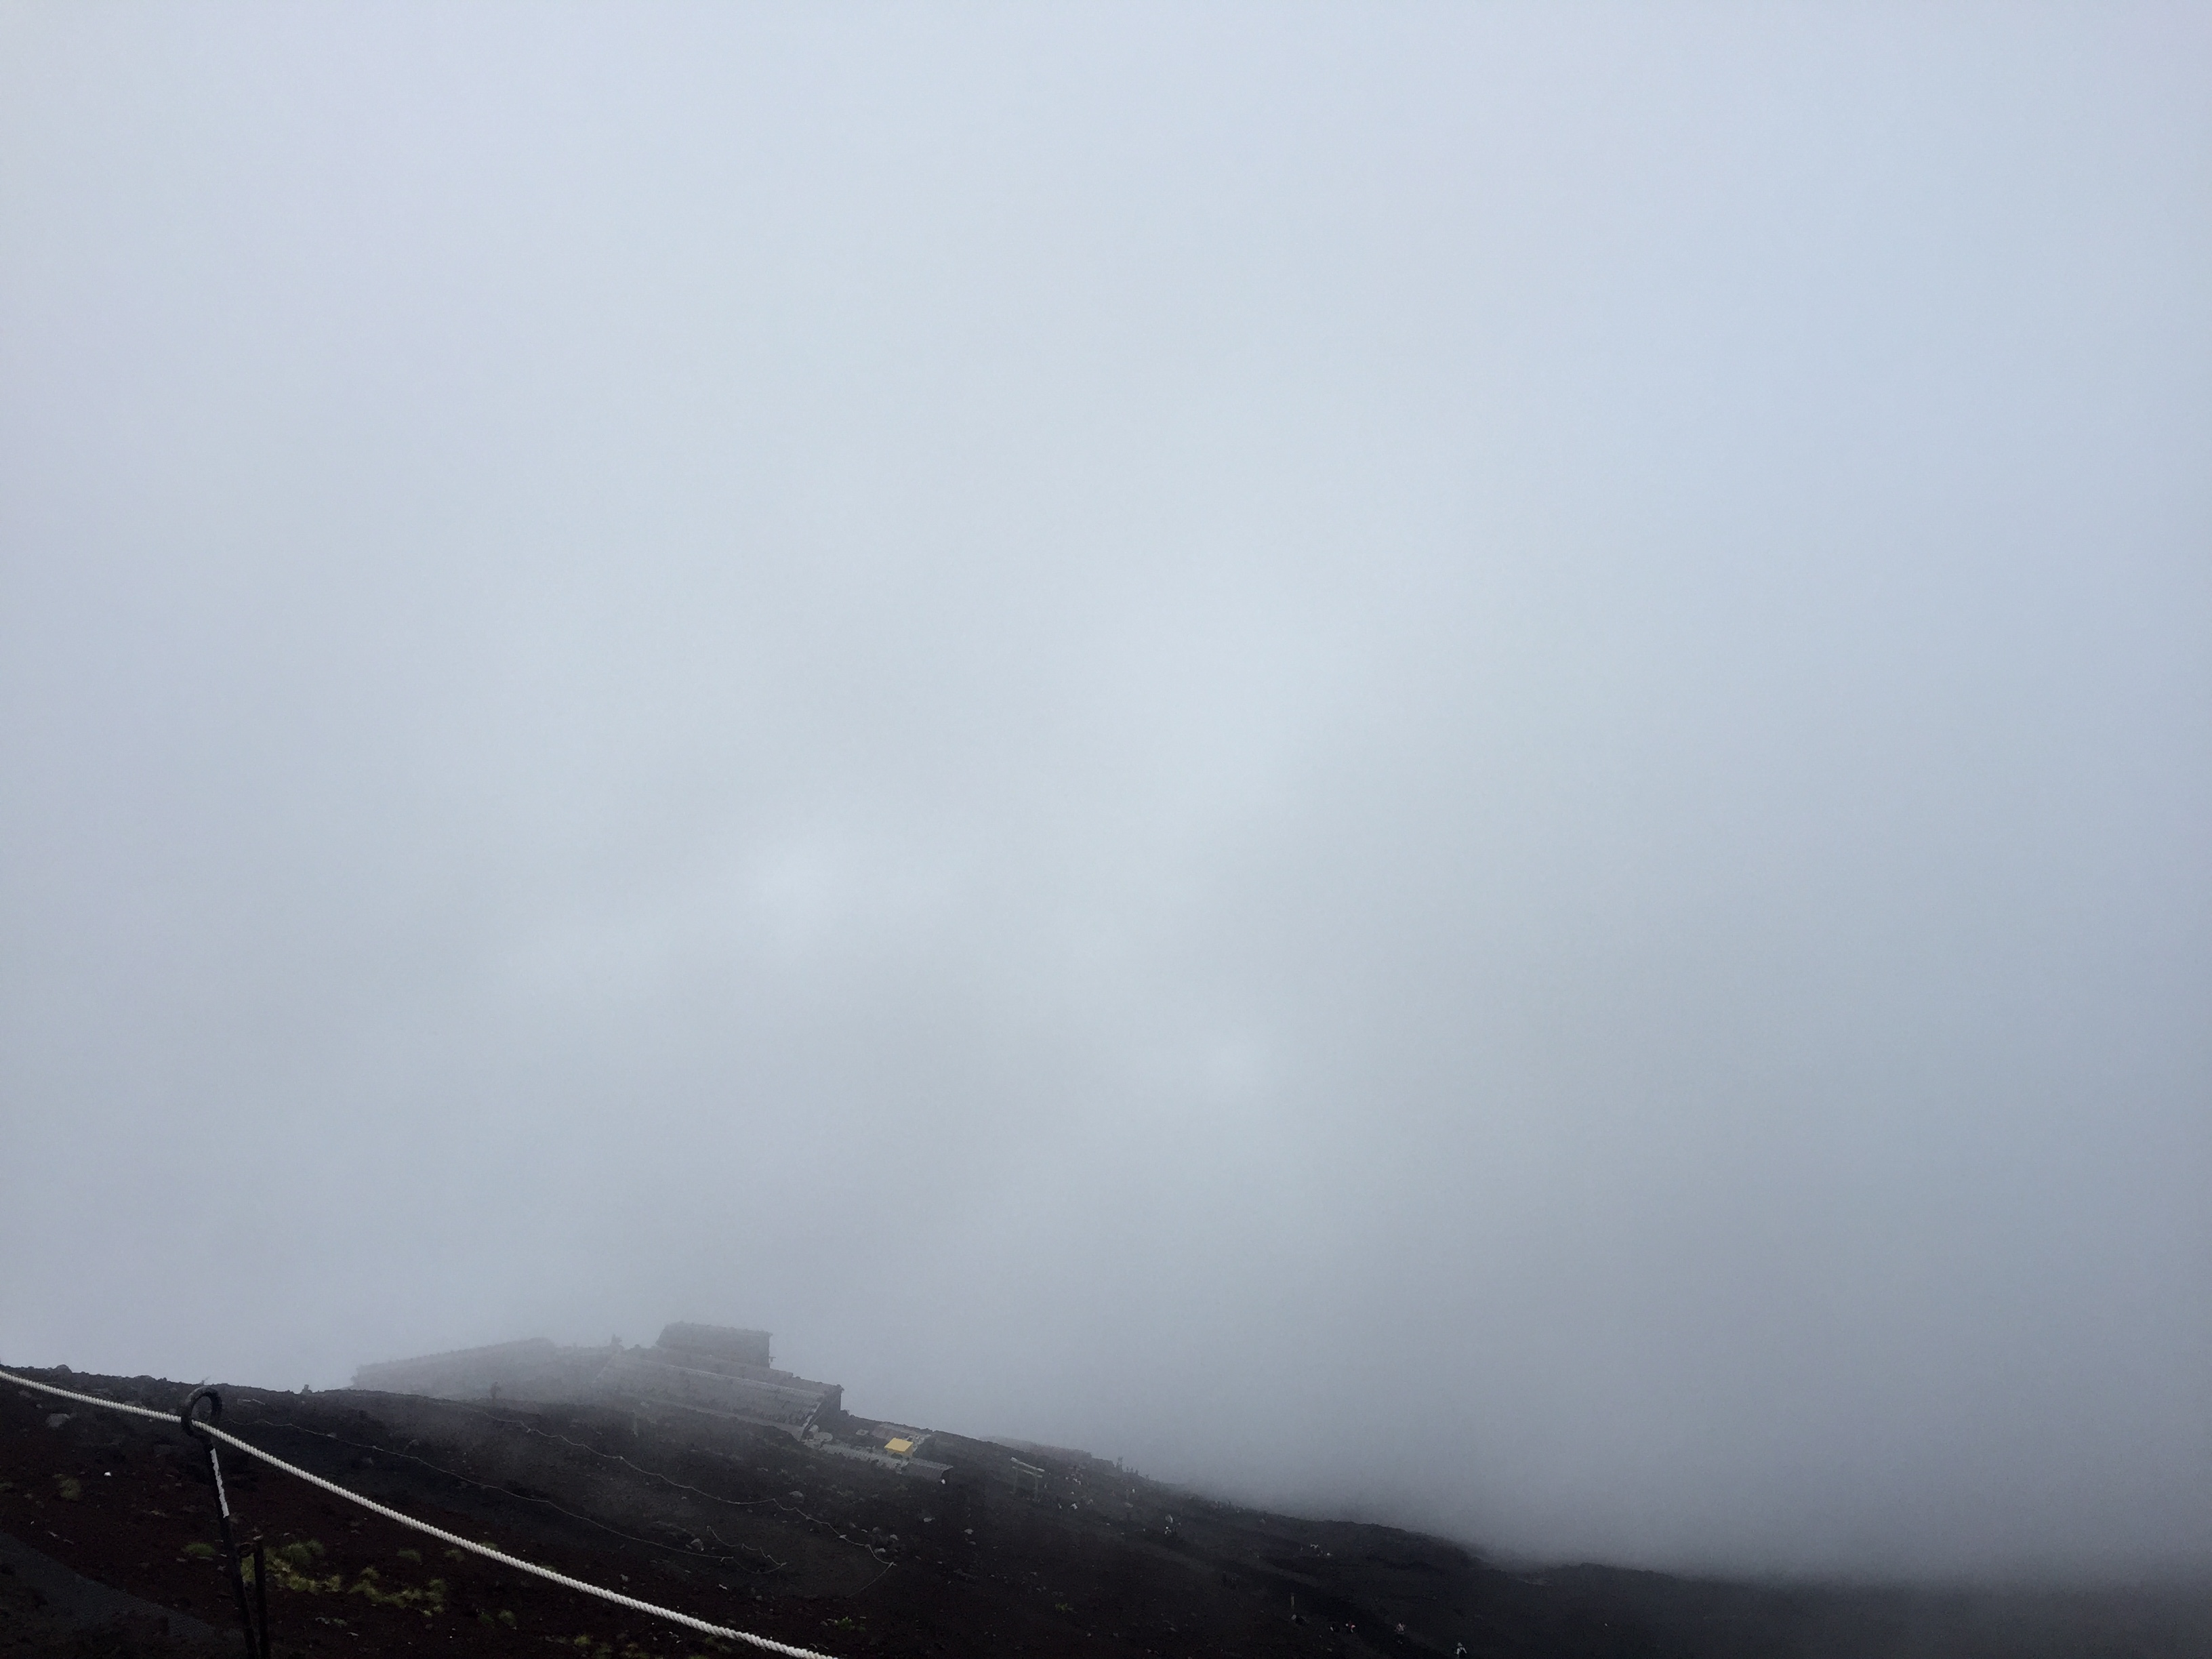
(1450, 763)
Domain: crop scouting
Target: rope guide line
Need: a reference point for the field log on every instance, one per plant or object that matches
(780, 1507)
(287, 1427)
(201, 1426)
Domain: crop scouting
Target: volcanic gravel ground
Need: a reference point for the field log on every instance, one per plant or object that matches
(752, 1530)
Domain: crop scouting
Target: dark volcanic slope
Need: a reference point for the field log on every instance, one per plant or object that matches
(836, 1554)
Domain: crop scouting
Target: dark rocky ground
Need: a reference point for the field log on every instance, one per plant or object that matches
(107, 1521)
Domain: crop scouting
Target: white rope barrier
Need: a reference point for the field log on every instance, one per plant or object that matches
(724, 1631)
(89, 1399)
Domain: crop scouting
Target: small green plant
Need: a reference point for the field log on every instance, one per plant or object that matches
(507, 1617)
(429, 1601)
(200, 1552)
(68, 1488)
(455, 1555)
(416, 1556)
(291, 1567)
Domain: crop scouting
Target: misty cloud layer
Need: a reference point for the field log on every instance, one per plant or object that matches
(1451, 763)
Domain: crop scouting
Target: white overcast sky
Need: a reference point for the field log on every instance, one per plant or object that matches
(1453, 762)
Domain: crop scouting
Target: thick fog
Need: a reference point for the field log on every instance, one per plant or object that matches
(1453, 764)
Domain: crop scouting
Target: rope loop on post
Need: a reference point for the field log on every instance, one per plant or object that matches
(205, 1432)
(192, 1424)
